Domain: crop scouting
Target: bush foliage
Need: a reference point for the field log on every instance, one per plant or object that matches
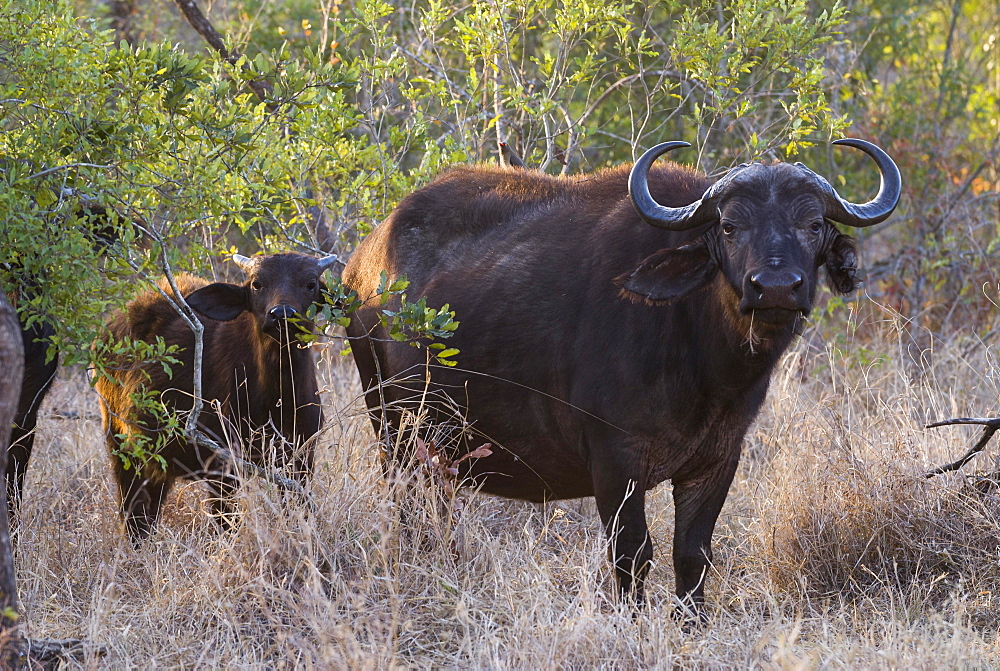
(367, 100)
(333, 110)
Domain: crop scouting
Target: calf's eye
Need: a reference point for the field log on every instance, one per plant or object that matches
(256, 285)
(311, 286)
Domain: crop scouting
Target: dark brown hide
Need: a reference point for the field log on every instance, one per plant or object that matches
(11, 362)
(600, 355)
(100, 224)
(39, 372)
(262, 379)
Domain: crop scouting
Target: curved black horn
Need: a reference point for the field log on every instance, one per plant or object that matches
(670, 218)
(881, 206)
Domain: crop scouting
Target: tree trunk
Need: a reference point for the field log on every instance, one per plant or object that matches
(11, 371)
(123, 15)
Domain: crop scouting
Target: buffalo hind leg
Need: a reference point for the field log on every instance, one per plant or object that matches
(35, 384)
(621, 502)
(18, 455)
(697, 503)
(223, 487)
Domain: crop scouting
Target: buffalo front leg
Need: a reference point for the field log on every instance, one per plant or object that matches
(621, 502)
(697, 503)
(141, 499)
(17, 465)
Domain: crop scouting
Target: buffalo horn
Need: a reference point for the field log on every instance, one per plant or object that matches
(327, 261)
(690, 216)
(246, 264)
(875, 210)
(670, 218)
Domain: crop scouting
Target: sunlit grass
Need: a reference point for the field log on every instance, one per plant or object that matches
(832, 550)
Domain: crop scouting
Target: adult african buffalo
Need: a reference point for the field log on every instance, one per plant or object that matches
(99, 223)
(617, 329)
(259, 377)
(39, 372)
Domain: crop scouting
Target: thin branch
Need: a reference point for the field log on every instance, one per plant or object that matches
(981, 421)
(50, 653)
(288, 484)
(614, 86)
(203, 27)
(456, 89)
(956, 11)
(49, 171)
(992, 425)
(987, 160)
(189, 316)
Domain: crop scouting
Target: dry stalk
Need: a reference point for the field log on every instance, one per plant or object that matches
(991, 425)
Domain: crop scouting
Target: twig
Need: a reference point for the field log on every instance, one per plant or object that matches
(49, 171)
(288, 484)
(991, 426)
(50, 652)
(204, 28)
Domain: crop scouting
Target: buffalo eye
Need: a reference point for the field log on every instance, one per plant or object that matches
(816, 226)
(311, 286)
(256, 285)
(727, 228)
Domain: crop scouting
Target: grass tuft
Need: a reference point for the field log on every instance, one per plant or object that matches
(831, 551)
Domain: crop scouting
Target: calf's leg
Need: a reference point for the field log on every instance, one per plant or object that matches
(18, 454)
(35, 385)
(140, 499)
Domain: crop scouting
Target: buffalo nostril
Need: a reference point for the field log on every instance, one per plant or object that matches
(775, 288)
(775, 281)
(283, 312)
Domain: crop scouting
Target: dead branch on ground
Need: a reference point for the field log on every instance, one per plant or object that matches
(991, 425)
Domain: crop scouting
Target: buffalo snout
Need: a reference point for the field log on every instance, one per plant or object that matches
(282, 319)
(775, 289)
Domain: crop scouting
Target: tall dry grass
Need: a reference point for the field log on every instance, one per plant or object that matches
(832, 551)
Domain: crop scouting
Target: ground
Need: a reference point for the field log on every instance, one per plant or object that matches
(832, 551)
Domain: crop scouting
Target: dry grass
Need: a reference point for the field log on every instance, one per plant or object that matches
(832, 551)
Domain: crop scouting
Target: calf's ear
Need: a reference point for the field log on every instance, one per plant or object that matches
(669, 274)
(219, 301)
(842, 264)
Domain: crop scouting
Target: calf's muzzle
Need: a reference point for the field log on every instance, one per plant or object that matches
(280, 319)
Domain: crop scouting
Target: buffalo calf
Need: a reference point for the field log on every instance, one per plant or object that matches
(259, 382)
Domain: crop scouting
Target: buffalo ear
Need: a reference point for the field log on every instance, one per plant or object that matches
(219, 301)
(669, 274)
(842, 264)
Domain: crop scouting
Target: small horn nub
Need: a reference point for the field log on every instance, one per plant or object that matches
(245, 263)
(327, 262)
